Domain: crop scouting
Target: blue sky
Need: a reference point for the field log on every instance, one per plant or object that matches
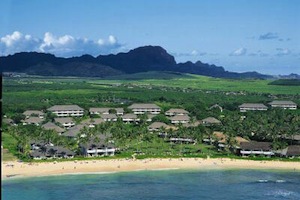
(240, 35)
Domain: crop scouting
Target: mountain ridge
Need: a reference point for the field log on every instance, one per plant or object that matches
(141, 59)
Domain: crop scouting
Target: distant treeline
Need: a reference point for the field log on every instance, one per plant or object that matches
(291, 82)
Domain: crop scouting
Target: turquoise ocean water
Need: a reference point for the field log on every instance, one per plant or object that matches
(144, 185)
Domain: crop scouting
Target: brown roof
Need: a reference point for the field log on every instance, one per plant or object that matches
(64, 107)
(144, 105)
(101, 144)
(180, 118)
(211, 120)
(221, 137)
(74, 131)
(33, 112)
(177, 110)
(109, 116)
(63, 120)
(102, 110)
(35, 120)
(252, 105)
(292, 137)
(239, 140)
(130, 116)
(51, 126)
(253, 145)
(293, 150)
(158, 125)
(7, 121)
(282, 103)
(192, 124)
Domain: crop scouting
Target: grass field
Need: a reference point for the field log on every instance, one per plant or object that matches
(203, 82)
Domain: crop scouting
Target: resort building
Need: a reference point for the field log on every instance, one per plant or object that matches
(8, 121)
(106, 111)
(157, 126)
(292, 139)
(67, 110)
(109, 117)
(34, 113)
(33, 120)
(210, 121)
(66, 122)
(291, 151)
(182, 140)
(180, 119)
(130, 118)
(252, 106)
(176, 111)
(75, 132)
(92, 122)
(284, 104)
(256, 148)
(50, 152)
(142, 108)
(52, 126)
(98, 147)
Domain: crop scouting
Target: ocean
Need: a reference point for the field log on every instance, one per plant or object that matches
(165, 184)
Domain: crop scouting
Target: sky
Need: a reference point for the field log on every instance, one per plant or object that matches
(240, 35)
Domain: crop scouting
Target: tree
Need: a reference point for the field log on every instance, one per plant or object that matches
(17, 118)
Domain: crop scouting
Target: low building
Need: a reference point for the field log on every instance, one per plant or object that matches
(106, 111)
(109, 118)
(192, 124)
(52, 126)
(67, 110)
(34, 113)
(256, 148)
(180, 119)
(141, 108)
(50, 152)
(211, 121)
(32, 120)
(176, 111)
(75, 131)
(292, 139)
(8, 121)
(92, 122)
(284, 104)
(158, 126)
(182, 140)
(66, 122)
(291, 151)
(130, 118)
(98, 147)
(252, 106)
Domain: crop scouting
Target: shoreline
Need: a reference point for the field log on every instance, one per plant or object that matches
(14, 169)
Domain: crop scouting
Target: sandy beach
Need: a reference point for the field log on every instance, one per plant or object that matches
(15, 169)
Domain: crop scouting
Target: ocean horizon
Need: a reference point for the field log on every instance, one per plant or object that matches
(158, 184)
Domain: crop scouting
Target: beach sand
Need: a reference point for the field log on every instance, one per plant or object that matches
(15, 169)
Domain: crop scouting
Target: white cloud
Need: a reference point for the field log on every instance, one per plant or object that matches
(239, 52)
(283, 52)
(258, 53)
(192, 53)
(268, 36)
(65, 45)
